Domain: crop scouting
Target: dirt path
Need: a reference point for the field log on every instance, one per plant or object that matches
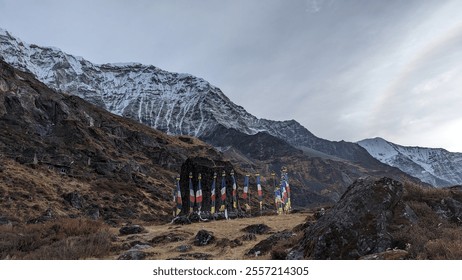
(164, 241)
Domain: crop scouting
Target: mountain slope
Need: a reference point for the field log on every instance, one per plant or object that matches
(63, 156)
(437, 167)
(183, 104)
(178, 104)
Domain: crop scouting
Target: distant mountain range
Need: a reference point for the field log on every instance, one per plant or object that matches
(437, 167)
(182, 104)
(179, 104)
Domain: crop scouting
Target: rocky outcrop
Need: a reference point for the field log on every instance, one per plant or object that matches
(359, 224)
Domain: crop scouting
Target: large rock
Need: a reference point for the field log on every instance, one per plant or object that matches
(358, 225)
(257, 229)
(266, 245)
(132, 255)
(131, 229)
(204, 238)
(74, 199)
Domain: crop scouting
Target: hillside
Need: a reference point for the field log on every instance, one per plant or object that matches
(62, 156)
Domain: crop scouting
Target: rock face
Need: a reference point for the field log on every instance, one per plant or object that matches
(359, 224)
(437, 167)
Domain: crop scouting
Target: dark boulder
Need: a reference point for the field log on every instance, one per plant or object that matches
(133, 255)
(184, 248)
(257, 229)
(74, 199)
(268, 244)
(4, 221)
(204, 238)
(194, 256)
(358, 225)
(131, 229)
(169, 237)
(249, 237)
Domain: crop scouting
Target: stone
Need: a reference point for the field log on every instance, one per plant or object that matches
(268, 244)
(131, 229)
(257, 229)
(195, 256)
(318, 214)
(5, 222)
(249, 237)
(133, 255)
(359, 224)
(93, 213)
(169, 237)
(74, 199)
(395, 254)
(204, 238)
(183, 248)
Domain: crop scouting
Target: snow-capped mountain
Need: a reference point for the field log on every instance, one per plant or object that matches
(171, 102)
(437, 167)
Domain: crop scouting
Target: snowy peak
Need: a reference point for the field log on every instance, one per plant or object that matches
(172, 102)
(434, 166)
(379, 148)
(178, 104)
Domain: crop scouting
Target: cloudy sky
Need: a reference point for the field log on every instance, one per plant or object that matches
(345, 69)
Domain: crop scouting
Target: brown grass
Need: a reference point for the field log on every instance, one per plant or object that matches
(224, 232)
(65, 239)
(431, 237)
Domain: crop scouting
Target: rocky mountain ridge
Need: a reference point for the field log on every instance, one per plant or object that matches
(437, 167)
(178, 104)
(63, 156)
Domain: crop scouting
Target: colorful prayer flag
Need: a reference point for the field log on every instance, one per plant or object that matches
(179, 202)
(234, 190)
(246, 194)
(259, 191)
(192, 196)
(213, 196)
(199, 193)
(223, 191)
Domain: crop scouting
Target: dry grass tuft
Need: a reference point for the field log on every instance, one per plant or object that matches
(65, 239)
(432, 236)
